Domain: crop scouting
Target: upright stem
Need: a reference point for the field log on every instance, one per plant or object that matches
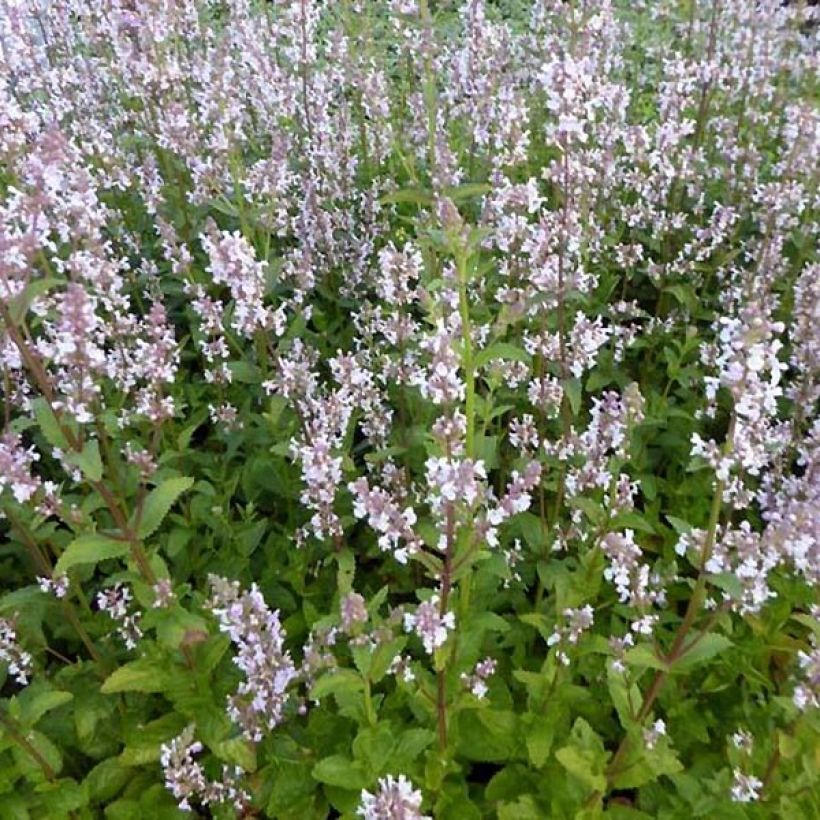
(25, 744)
(444, 599)
(467, 360)
(45, 567)
(430, 96)
(676, 651)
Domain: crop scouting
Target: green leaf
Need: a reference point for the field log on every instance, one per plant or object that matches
(143, 741)
(34, 704)
(142, 675)
(19, 305)
(107, 779)
(679, 525)
(584, 756)
(347, 568)
(539, 739)
(627, 702)
(48, 424)
(88, 460)
(342, 680)
(373, 746)
(27, 765)
(411, 744)
(340, 771)
(90, 549)
(524, 808)
(238, 751)
(467, 190)
(632, 520)
(488, 734)
(705, 648)
(572, 390)
(501, 350)
(415, 195)
(175, 624)
(643, 656)
(159, 502)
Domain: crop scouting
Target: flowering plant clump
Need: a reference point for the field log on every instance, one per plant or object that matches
(409, 409)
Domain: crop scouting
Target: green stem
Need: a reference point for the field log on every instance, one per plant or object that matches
(467, 358)
(25, 744)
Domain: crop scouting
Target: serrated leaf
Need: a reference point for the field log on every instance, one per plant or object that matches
(415, 195)
(34, 704)
(88, 460)
(142, 675)
(107, 779)
(703, 649)
(159, 502)
(539, 739)
(501, 350)
(573, 391)
(467, 190)
(342, 680)
(679, 525)
(340, 771)
(584, 756)
(238, 751)
(90, 549)
(644, 657)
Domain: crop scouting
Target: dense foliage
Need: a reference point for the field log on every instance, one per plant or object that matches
(409, 409)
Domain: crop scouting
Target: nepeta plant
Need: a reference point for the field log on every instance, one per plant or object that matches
(409, 409)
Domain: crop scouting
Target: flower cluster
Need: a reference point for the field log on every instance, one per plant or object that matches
(476, 682)
(186, 779)
(430, 623)
(396, 799)
(578, 621)
(115, 602)
(19, 661)
(259, 702)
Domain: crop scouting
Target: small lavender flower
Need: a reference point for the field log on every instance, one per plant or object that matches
(400, 666)
(396, 799)
(578, 622)
(477, 681)
(56, 586)
(431, 626)
(807, 692)
(743, 740)
(654, 733)
(163, 593)
(384, 515)
(15, 467)
(745, 788)
(142, 460)
(353, 611)
(115, 602)
(619, 648)
(19, 661)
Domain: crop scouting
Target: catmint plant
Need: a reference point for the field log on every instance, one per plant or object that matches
(409, 409)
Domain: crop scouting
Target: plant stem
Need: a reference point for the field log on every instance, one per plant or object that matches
(446, 583)
(27, 746)
(676, 651)
(467, 361)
